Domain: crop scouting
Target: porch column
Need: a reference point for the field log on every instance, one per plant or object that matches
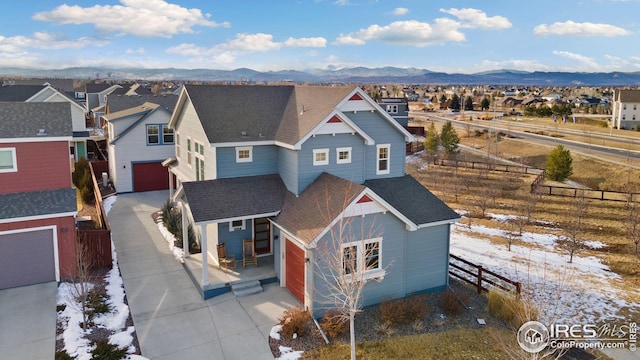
(205, 255)
(308, 279)
(170, 183)
(185, 230)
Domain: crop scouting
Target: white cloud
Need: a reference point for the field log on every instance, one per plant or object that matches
(571, 28)
(306, 42)
(410, 32)
(474, 18)
(139, 50)
(147, 18)
(400, 11)
(46, 41)
(583, 61)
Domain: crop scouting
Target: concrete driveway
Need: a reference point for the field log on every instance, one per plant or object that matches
(171, 319)
(28, 322)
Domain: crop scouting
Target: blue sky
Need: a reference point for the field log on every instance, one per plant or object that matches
(450, 36)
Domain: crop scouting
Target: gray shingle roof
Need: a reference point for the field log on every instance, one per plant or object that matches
(319, 204)
(412, 199)
(629, 96)
(24, 120)
(19, 92)
(239, 113)
(121, 102)
(36, 203)
(219, 199)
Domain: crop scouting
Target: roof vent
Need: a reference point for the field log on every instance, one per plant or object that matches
(42, 132)
(243, 133)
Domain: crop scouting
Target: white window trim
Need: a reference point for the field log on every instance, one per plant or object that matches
(320, 151)
(343, 161)
(377, 273)
(163, 133)
(189, 147)
(244, 148)
(159, 134)
(392, 108)
(13, 159)
(176, 137)
(234, 228)
(200, 156)
(388, 170)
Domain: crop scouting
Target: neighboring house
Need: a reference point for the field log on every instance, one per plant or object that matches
(38, 204)
(123, 102)
(96, 97)
(398, 108)
(626, 109)
(138, 140)
(48, 94)
(286, 166)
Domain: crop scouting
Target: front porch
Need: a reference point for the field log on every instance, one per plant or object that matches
(220, 281)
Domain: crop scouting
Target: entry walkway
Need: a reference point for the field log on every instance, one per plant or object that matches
(171, 319)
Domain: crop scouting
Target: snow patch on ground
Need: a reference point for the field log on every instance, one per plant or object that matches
(178, 253)
(275, 332)
(287, 353)
(585, 290)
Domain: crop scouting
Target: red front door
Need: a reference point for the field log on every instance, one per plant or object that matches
(262, 235)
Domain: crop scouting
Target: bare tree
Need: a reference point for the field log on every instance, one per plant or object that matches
(345, 263)
(633, 224)
(573, 228)
(81, 285)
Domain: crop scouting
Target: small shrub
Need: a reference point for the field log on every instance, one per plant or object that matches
(512, 310)
(295, 321)
(450, 303)
(334, 324)
(106, 351)
(404, 310)
(385, 328)
(62, 355)
(81, 178)
(98, 302)
(166, 209)
(417, 326)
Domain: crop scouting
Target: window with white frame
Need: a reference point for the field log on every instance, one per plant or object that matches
(343, 155)
(199, 159)
(153, 134)
(237, 225)
(8, 161)
(177, 146)
(244, 154)
(363, 258)
(167, 134)
(188, 151)
(383, 159)
(320, 157)
(392, 109)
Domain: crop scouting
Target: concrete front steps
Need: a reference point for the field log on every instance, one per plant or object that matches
(245, 288)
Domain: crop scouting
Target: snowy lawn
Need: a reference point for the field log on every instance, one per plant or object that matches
(114, 321)
(583, 291)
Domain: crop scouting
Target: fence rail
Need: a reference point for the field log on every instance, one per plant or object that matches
(414, 147)
(586, 193)
(487, 166)
(480, 277)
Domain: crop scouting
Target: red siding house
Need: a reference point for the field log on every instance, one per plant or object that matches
(37, 200)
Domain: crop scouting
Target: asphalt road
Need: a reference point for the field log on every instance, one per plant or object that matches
(551, 141)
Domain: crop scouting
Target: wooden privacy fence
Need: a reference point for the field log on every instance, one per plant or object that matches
(480, 277)
(586, 193)
(487, 166)
(414, 147)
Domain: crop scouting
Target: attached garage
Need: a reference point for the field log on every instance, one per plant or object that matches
(150, 176)
(295, 270)
(27, 257)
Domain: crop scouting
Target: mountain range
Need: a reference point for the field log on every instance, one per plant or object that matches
(358, 75)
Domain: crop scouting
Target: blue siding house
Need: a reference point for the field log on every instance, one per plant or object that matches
(316, 177)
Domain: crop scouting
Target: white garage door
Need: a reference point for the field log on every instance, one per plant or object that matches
(26, 258)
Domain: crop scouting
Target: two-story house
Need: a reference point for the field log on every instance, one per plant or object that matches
(47, 93)
(292, 167)
(139, 140)
(626, 109)
(37, 200)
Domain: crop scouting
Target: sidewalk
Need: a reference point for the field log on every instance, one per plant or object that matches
(171, 319)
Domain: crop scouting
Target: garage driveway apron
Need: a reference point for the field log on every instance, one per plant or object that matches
(28, 322)
(171, 318)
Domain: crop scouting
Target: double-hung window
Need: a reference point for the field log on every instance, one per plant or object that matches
(320, 157)
(363, 258)
(153, 134)
(188, 151)
(167, 134)
(199, 156)
(177, 146)
(343, 155)
(382, 166)
(392, 109)
(8, 160)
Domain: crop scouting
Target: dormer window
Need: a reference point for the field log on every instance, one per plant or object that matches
(244, 154)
